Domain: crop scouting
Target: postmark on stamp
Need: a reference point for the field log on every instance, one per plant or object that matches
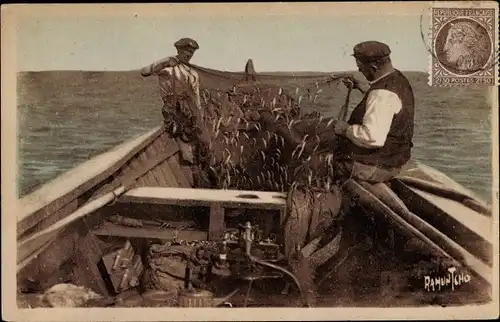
(464, 46)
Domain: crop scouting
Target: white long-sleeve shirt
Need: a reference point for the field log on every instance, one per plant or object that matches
(381, 106)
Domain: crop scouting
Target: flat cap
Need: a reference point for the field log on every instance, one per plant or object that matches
(186, 42)
(369, 51)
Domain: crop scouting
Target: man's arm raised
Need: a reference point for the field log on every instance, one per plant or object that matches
(157, 66)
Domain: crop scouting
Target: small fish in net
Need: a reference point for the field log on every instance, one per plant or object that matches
(262, 132)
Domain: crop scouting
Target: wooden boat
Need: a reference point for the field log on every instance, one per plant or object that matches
(61, 235)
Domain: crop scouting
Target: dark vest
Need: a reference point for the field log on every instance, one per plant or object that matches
(397, 148)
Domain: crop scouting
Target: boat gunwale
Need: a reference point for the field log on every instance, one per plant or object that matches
(447, 182)
(69, 185)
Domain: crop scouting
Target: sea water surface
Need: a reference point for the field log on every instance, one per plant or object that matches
(65, 118)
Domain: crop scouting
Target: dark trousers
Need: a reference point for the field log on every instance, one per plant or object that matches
(349, 169)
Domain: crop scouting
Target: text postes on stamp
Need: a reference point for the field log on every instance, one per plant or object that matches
(463, 46)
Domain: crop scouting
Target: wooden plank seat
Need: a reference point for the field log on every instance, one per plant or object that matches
(205, 197)
(216, 200)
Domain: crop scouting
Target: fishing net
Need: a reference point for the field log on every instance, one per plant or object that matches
(273, 132)
(166, 267)
(240, 149)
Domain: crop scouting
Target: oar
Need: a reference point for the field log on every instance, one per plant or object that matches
(343, 110)
(446, 193)
(439, 243)
(410, 224)
(391, 199)
(367, 199)
(79, 213)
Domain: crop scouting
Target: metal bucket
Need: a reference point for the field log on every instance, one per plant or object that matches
(201, 298)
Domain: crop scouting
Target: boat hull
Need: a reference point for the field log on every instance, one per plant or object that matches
(152, 159)
(52, 233)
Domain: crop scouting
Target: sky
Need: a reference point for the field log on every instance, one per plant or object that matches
(278, 42)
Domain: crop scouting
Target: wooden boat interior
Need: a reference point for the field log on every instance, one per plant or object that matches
(150, 166)
(58, 244)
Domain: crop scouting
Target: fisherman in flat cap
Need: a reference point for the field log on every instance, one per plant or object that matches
(376, 141)
(371, 146)
(180, 91)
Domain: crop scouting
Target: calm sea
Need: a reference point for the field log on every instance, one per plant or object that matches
(65, 118)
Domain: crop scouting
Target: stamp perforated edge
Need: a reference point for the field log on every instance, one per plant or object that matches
(463, 5)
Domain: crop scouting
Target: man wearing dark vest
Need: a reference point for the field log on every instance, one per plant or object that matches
(376, 141)
(371, 146)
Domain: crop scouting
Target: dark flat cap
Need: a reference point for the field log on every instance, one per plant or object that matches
(186, 42)
(371, 50)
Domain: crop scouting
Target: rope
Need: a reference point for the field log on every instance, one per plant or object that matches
(281, 269)
(215, 72)
(321, 78)
(343, 111)
(115, 198)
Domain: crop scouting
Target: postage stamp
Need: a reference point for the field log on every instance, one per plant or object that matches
(464, 46)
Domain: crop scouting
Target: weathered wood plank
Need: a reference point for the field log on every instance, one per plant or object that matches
(42, 261)
(130, 179)
(68, 186)
(135, 165)
(128, 169)
(389, 197)
(151, 153)
(468, 231)
(122, 172)
(160, 144)
(481, 225)
(188, 174)
(383, 212)
(56, 216)
(172, 148)
(151, 180)
(206, 197)
(140, 182)
(33, 242)
(166, 172)
(162, 182)
(125, 171)
(177, 172)
(33, 248)
(431, 175)
(87, 274)
(163, 145)
(52, 254)
(110, 229)
(162, 171)
(89, 253)
(447, 193)
(148, 177)
(216, 223)
(112, 180)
